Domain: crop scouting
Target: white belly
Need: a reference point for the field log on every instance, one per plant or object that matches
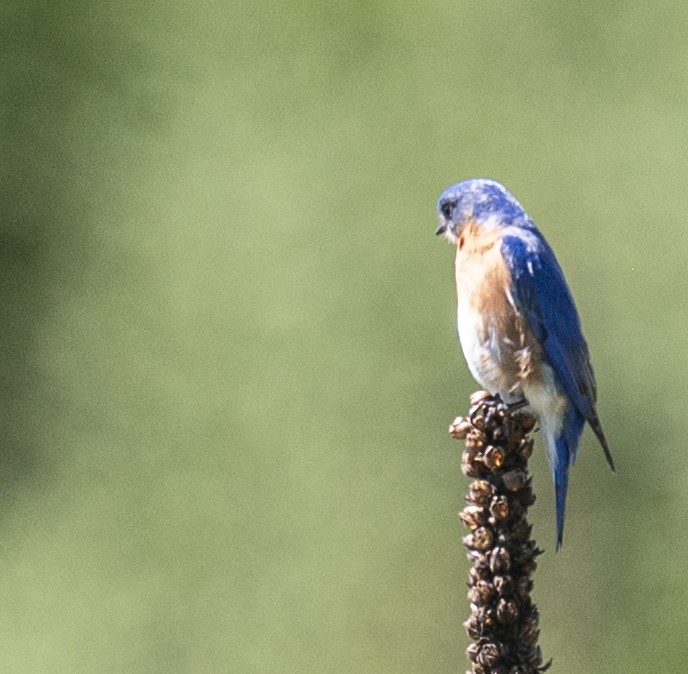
(485, 352)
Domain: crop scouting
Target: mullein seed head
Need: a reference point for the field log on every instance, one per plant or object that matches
(503, 624)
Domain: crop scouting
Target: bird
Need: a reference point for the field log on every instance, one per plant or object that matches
(517, 322)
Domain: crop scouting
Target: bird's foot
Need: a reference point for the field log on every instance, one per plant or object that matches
(512, 406)
(518, 405)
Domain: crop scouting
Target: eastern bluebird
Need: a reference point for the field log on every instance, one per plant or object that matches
(517, 322)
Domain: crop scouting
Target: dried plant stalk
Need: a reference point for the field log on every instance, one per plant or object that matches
(503, 624)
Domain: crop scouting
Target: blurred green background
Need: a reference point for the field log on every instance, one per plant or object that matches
(228, 348)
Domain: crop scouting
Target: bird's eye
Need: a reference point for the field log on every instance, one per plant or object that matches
(446, 207)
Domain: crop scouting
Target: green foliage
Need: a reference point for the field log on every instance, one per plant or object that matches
(228, 344)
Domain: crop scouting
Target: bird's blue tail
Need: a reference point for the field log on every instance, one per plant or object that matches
(561, 485)
(566, 449)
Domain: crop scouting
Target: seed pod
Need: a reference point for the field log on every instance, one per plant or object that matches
(504, 585)
(460, 427)
(489, 654)
(475, 439)
(494, 457)
(515, 479)
(507, 611)
(470, 465)
(472, 652)
(525, 450)
(482, 593)
(525, 422)
(500, 560)
(524, 586)
(480, 492)
(476, 574)
(472, 627)
(499, 508)
(529, 632)
(472, 517)
(482, 538)
(478, 396)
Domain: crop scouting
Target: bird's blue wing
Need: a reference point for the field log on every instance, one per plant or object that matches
(541, 295)
(543, 298)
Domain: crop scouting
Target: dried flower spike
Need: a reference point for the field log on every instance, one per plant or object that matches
(503, 624)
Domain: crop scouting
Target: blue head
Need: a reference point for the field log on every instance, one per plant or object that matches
(484, 202)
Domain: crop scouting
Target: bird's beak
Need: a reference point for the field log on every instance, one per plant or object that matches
(441, 229)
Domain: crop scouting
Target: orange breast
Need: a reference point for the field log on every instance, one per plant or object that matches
(500, 348)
